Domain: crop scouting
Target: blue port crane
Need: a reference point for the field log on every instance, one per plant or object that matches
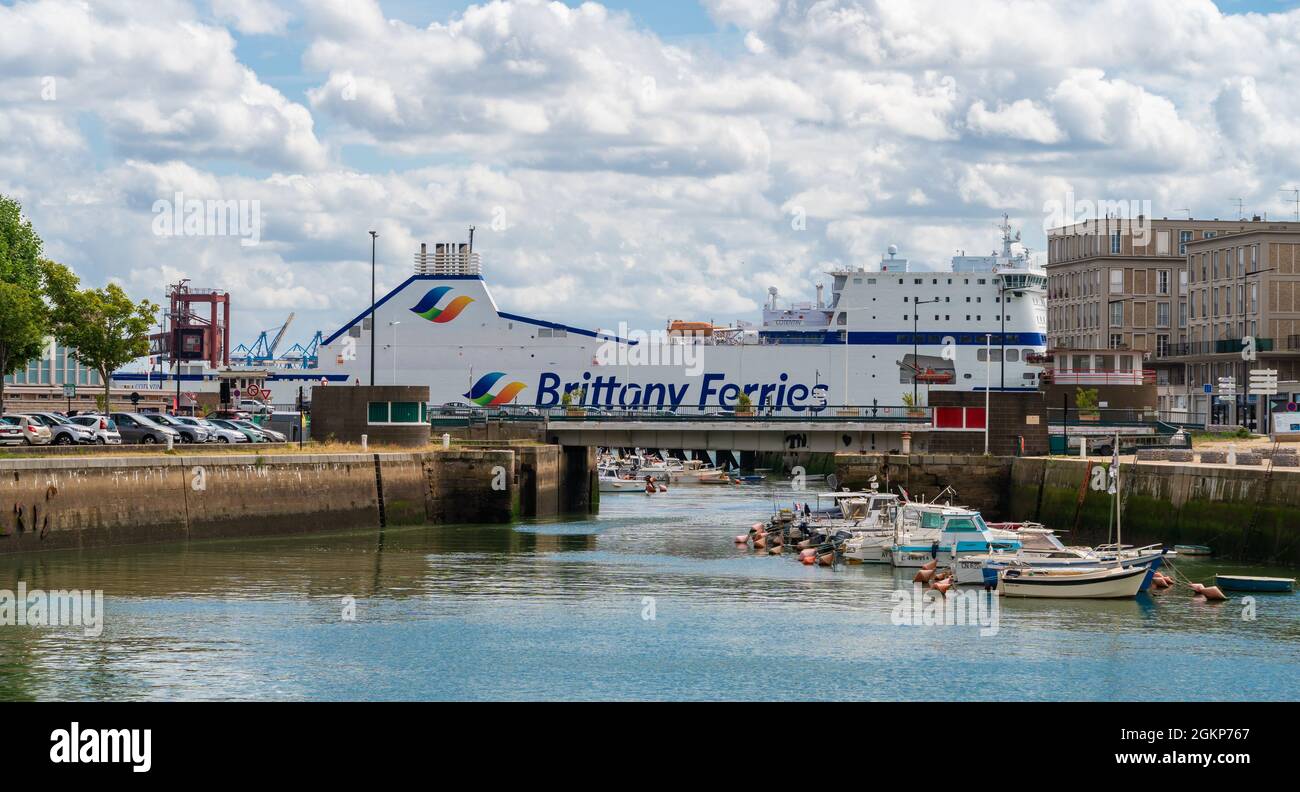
(263, 350)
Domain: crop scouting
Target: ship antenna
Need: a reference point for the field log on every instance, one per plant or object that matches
(471, 239)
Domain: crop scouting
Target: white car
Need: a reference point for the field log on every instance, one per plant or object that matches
(102, 426)
(254, 406)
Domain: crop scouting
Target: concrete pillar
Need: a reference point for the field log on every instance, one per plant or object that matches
(907, 443)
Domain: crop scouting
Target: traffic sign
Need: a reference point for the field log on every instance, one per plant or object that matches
(1263, 382)
(69, 390)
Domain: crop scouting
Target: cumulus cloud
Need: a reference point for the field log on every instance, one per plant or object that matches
(613, 174)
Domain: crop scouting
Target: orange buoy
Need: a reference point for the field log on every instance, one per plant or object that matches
(807, 552)
(931, 565)
(923, 575)
(742, 539)
(760, 543)
(1213, 594)
(756, 527)
(807, 560)
(805, 544)
(1197, 587)
(826, 559)
(941, 586)
(774, 550)
(943, 575)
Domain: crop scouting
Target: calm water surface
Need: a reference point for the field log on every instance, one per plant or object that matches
(557, 611)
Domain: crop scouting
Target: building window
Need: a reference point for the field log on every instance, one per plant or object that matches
(1162, 281)
(1114, 242)
(1162, 314)
(377, 412)
(1117, 314)
(1116, 340)
(1117, 281)
(1162, 345)
(1183, 238)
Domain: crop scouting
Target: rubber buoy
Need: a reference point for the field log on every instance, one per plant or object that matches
(742, 539)
(941, 586)
(931, 565)
(1197, 587)
(1213, 594)
(756, 527)
(807, 553)
(774, 550)
(760, 543)
(807, 560)
(943, 574)
(923, 575)
(826, 559)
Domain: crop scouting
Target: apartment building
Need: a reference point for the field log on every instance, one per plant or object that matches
(1120, 284)
(1243, 301)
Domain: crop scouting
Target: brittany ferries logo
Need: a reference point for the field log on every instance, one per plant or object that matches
(427, 306)
(481, 393)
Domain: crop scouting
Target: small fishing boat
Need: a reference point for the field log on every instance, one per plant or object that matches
(1192, 550)
(1259, 584)
(1071, 582)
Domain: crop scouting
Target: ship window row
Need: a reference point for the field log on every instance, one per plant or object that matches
(549, 332)
(995, 354)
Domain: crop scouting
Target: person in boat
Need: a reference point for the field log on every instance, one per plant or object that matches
(807, 510)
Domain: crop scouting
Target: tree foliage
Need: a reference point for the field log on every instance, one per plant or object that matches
(23, 319)
(102, 328)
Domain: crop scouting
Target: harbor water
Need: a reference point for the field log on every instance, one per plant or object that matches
(648, 600)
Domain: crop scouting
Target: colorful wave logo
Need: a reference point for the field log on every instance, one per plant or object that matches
(426, 307)
(481, 393)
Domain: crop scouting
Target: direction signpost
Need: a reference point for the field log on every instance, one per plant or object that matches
(1263, 385)
(69, 392)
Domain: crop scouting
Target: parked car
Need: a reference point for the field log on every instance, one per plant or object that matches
(34, 432)
(11, 433)
(254, 407)
(215, 433)
(229, 415)
(140, 428)
(271, 434)
(289, 424)
(103, 426)
(254, 435)
(189, 433)
(63, 431)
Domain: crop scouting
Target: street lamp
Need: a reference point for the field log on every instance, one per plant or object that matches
(373, 236)
(916, 357)
(394, 324)
(988, 382)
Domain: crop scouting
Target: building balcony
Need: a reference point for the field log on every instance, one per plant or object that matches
(1099, 377)
(1228, 346)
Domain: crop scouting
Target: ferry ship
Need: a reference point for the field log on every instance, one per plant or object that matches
(887, 333)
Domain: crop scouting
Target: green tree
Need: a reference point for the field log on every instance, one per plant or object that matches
(23, 320)
(102, 328)
(23, 325)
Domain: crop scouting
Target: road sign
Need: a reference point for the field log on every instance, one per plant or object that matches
(1263, 382)
(1227, 386)
(69, 390)
(1208, 388)
(135, 397)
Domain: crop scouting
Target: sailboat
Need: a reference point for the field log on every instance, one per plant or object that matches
(1113, 580)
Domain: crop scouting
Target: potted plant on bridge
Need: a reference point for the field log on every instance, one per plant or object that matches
(744, 406)
(913, 411)
(1086, 400)
(567, 401)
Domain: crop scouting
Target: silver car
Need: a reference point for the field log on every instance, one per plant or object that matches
(103, 426)
(190, 433)
(63, 431)
(216, 434)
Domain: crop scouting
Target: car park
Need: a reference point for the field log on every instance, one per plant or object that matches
(140, 428)
(271, 435)
(103, 427)
(190, 433)
(63, 431)
(34, 432)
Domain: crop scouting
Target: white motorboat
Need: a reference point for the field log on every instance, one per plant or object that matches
(1115, 582)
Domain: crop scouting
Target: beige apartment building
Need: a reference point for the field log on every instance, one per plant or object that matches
(1116, 284)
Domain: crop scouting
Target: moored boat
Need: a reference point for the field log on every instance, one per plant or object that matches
(1192, 550)
(1258, 584)
(1071, 582)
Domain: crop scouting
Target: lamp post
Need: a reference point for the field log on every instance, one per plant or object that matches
(916, 366)
(988, 383)
(373, 236)
(394, 325)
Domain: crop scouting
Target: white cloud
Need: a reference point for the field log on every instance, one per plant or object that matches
(252, 16)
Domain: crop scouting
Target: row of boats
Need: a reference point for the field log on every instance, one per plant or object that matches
(652, 474)
(955, 546)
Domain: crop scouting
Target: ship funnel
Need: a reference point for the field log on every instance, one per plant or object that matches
(820, 302)
(448, 258)
(771, 295)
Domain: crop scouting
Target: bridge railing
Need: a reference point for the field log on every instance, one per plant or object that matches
(863, 413)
